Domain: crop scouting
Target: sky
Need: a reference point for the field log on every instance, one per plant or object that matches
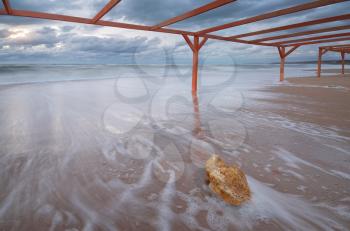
(26, 40)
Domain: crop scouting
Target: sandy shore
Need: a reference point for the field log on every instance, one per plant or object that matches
(327, 97)
(125, 155)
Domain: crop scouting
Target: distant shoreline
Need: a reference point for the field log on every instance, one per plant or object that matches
(315, 62)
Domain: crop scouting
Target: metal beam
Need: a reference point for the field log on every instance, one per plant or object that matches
(193, 13)
(314, 38)
(273, 14)
(105, 10)
(293, 26)
(338, 50)
(302, 33)
(342, 45)
(217, 37)
(187, 39)
(7, 6)
(204, 40)
(291, 50)
(320, 41)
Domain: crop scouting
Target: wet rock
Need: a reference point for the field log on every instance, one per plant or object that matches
(229, 182)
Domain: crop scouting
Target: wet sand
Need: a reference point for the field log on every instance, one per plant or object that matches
(125, 155)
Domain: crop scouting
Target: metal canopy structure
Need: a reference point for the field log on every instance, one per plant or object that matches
(285, 47)
(342, 49)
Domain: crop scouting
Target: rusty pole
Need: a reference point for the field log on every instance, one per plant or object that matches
(282, 52)
(319, 62)
(195, 47)
(342, 62)
(195, 63)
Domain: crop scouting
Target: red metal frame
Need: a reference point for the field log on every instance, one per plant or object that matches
(329, 29)
(105, 10)
(193, 13)
(314, 38)
(342, 49)
(195, 47)
(204, 34)
(290, 10)
(283, 54)
(294, 26)
(7, 6)
(319, 41)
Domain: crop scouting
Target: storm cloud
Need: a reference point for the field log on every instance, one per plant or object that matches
(28, 40)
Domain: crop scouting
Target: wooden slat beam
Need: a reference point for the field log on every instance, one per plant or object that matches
(7, 6)
(273, 14)
(192, 13)
(105, 10)
(320, 41)
(302, 33)
(314, 38)
(293, 26)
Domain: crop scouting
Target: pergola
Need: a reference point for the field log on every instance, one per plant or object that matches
(285, 47)
(342, 49)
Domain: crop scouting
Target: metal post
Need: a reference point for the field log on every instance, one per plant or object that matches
(342, 62)
(319, 62)
(282, 51)
(195, 47)
(195, 63)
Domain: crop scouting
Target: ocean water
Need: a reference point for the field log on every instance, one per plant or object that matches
(123, 147)
(244, 74)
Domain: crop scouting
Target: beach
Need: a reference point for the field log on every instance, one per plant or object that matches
(126, 150)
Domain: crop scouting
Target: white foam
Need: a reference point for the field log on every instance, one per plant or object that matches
(288, 211)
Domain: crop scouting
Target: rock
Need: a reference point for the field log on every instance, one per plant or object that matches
(229, 182)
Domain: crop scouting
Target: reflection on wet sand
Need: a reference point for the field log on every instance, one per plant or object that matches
(197, 130)
(72, 162)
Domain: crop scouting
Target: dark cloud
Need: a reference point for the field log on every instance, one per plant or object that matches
(52, 40)
(46, 6)
(50, 43)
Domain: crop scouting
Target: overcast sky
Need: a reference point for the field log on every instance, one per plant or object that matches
(25, 40)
